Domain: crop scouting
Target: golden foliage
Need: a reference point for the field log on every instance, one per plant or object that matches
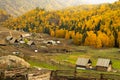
(96, 26)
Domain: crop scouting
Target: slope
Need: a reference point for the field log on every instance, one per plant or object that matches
(87, 25)
(18, 7)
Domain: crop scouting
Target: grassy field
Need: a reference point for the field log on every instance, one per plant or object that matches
(69, 59)
(66, 61)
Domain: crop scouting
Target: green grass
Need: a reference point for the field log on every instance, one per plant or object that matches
(49, 66)
(67, 61)
(42, 65)
(70, 59)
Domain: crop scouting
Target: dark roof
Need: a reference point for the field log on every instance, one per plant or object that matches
(103, 62)
(83, 61)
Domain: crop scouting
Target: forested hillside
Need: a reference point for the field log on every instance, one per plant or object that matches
(88, 25)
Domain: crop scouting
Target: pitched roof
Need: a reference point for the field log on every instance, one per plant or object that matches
(9, 38)
(103, 62)
(20, 39)
(83, 61)
(30, 43)
(25, 35)
(13, 40)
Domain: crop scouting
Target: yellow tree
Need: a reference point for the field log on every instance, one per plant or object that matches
(67, 35)
(118, 40)
(98, 43)
(60, 33)
(104, 38)
(77, 39)
(52, 33)
(91, 39)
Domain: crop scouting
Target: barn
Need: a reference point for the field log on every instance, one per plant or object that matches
(104, 65)
(83, 63)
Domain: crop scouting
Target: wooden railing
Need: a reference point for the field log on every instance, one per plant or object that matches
(83, 75)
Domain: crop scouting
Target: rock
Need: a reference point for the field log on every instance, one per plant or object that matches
(11, 61)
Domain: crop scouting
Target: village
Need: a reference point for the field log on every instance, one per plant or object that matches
(29, 46)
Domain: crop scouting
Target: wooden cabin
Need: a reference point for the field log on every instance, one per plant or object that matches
(104, 65)
(30, 43)
(83, 63)
(13, 41)
(8, 38)
(25, 35)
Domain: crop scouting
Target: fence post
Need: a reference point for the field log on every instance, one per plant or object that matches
(101, 76)
(75, 72)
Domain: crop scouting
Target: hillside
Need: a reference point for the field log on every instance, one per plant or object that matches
(17, 8)
(89, 25)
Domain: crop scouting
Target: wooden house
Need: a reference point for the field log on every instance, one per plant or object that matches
(50, 42)
(30, 43)
(13, 41)
(25, 35)
(83, 63)
(20, 39)
(104, 64)
(8, 38)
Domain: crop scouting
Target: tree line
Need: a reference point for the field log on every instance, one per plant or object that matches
(89, 25)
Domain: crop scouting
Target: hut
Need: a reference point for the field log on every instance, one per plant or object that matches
(50, 42)
(25, 35)
(20, 39)
(83, 63)
(30, 43)
(13, 41)
(8, 38)
(104, 65)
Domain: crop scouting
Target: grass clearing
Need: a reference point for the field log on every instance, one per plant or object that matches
(66, 61)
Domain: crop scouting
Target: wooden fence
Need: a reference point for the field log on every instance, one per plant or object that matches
(71, 75)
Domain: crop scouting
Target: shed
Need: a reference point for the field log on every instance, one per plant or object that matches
(104, 64)
(20, 39)
(83, 63)
(50, 42)
(25, 35)
(8, 38)
(30, 43)
(13, 41)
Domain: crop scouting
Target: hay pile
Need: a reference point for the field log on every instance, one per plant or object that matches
(11, 61)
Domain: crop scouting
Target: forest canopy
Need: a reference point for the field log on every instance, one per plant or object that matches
(90, 25)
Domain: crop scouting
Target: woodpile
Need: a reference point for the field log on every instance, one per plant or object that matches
(11, 61)
(25, 74)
